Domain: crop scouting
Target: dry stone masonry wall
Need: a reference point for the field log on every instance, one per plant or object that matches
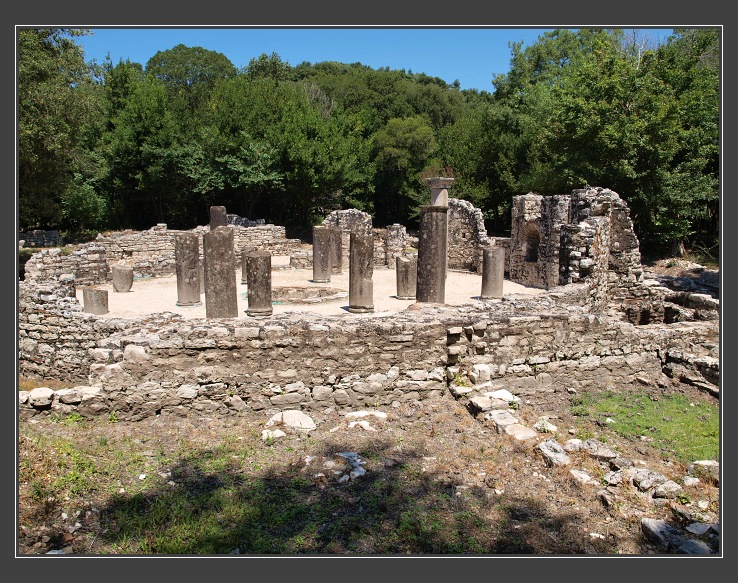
(150, 253)
(600, 324)
(165, 364)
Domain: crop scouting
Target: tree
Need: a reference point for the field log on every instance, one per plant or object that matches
(401, 150)
(59, 120)
(143, 155)
(189, 75)
(268, 67)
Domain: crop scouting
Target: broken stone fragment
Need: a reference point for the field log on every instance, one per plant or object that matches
(553, 453)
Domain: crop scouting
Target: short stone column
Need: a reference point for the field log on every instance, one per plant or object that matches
(95, 301)
(361, 270)
(258, 268)
(221, 292)
(395, 244)
(439, 187)
(187, 266)
(336, 249)
(218, 217)
(322, 254)
(201, 271)
(122, 278)
(244, 254)
(493, 272)
(432, 248)
(407, 277)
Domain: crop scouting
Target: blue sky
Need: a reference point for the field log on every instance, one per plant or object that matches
(471, 55)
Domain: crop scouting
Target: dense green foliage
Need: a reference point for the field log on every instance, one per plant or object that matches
(127, 146)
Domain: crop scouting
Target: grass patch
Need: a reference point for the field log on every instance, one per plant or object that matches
(29, 383)
(681, 430)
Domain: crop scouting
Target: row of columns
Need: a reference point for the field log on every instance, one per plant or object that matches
(422, 278)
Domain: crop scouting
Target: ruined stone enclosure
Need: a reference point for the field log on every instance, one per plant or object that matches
(597, 323)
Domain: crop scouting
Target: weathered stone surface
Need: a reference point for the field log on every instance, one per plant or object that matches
(705, 468)
(187, 259)
(122, 278)
(95, 301)
(259, 283)
(41, 397)
(292, 418)
(361, 270)
(553, 453)
(406, 277)
(432, 245)
(493, 272)
(221, 295)
(322, 254)
(520, 432)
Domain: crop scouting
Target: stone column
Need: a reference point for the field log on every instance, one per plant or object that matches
(258, 268)
(201, 271)
(187, 265)
(432, 246)
(218, 217)
(221, 293)
(244, 254)
(395, 244)
(322, 254)
(122, 278)
(407, 277)
(361, 270)
(95, 300)
(493, 272)
(439, 190)
(337, 249)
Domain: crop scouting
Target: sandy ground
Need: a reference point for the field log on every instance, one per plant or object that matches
(155, 295)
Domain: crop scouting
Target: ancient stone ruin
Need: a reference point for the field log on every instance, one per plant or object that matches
(600, 322)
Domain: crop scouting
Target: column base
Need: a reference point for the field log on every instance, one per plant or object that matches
(254, 313)
(189, 304)
(360, 310)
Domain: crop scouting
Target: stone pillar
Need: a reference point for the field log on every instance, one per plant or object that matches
(407, 277)
(337, 249)
(322, 254)
(244, 254)
(187, 265)
(218, 217)
(493, 272)
(258, 268)
(201, 271)
(122, 278)
(95, 300)
(221, 293)
(361, 269)
(439, 187)
(395, 244)
(432, 245)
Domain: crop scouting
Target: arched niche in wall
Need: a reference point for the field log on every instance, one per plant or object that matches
(531, 242)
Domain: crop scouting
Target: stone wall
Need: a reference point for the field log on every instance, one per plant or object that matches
(535, 239)
(587, 236)
(88, 263)
(170, 365)
(39, 238)
(467, 235)
(150, 253)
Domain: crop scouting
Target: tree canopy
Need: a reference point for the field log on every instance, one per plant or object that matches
(126, 145)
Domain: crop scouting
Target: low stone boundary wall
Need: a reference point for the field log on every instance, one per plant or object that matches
(150, 253)
(166, 364)
(39, 238)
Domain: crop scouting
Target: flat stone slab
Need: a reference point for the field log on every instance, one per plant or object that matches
(294, 419)
(520, 432)
(501, 419)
